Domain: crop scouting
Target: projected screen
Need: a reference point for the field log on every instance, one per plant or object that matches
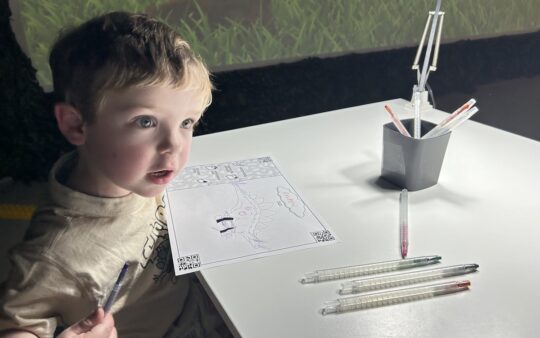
(231, 34)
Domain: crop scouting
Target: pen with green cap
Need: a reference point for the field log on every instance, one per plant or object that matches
(368, 269)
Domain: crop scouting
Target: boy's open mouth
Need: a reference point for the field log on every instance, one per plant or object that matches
(161, 173)
(161, 176)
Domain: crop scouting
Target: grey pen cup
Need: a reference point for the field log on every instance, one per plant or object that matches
(410, 163)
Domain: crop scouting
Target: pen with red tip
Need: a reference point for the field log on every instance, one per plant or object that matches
(397, 122)
(468, 105)
(404, 222)
(376, 299)
(461, 110)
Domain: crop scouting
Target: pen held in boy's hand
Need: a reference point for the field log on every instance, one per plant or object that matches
(116, 289)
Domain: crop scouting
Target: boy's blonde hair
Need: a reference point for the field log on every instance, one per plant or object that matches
(119, 50)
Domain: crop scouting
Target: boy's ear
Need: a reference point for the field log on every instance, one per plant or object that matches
(70, 123)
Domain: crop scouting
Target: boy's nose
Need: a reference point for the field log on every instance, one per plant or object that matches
(170, 142)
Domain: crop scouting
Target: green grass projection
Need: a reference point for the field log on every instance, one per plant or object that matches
(296, 28)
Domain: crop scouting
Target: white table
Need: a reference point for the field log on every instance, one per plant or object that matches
(485, 210)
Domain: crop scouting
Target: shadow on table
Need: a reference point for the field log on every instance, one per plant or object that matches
(371, 169)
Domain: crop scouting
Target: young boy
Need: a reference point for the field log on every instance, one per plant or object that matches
(130, 93)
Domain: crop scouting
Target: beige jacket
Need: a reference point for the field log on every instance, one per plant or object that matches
(72, 255)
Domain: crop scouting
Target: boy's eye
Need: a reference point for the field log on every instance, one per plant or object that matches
(145, 122)
(188, 123)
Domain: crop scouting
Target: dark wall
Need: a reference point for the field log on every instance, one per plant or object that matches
(254, 96)
(30, 142)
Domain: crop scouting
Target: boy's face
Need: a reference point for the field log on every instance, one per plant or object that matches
(139, 141)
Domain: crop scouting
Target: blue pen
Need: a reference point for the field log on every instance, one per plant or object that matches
(116, 289)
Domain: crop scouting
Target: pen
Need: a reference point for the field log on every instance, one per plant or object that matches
(456, 122)
(401, 279)
(367, 269)
(404, 222)
(397, 122)
(393, 297)
(417, 126)
(116, 289)
(467, 105)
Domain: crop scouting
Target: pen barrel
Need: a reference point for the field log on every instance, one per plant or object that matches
(389, 282)
(417, 118)
(461, 118)
(348, 272)
(116, 288)
(371, 301)
(384, 282)
(370, 269)
(452, 124)
(458, 111)
(396, 297)
(403, 221)
(112, 297)
(404, 232)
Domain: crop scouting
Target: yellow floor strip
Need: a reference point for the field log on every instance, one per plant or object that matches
(16, 211)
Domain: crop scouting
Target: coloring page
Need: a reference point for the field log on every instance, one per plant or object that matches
(235, 211)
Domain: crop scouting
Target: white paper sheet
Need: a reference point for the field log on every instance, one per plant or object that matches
(230, 212)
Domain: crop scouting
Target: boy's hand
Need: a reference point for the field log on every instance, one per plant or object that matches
(97, 325)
